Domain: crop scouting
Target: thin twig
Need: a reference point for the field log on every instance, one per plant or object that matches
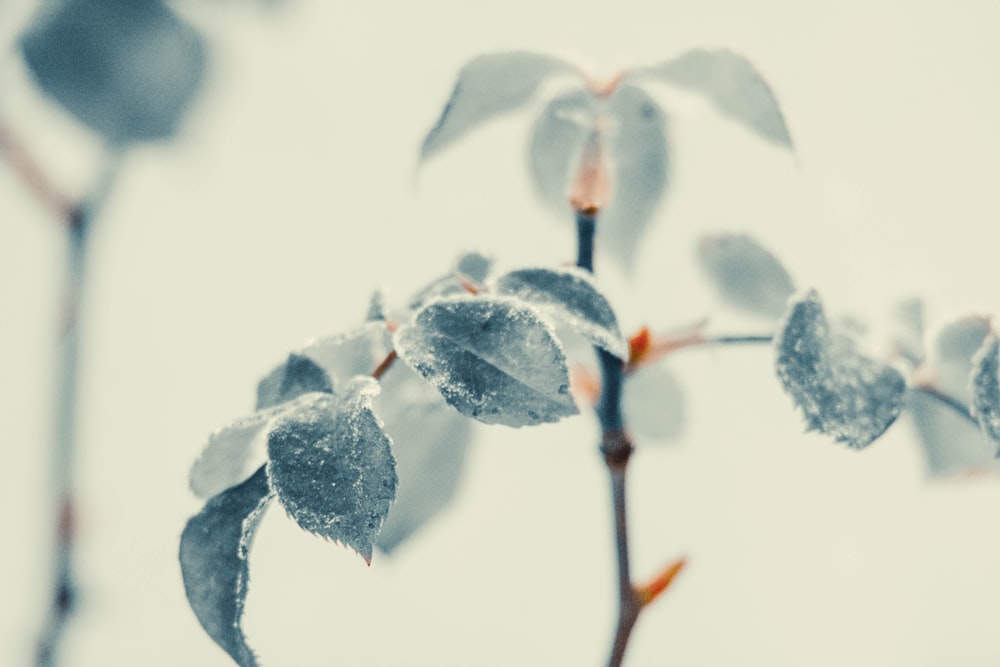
(34, 177)
(80, 220)
(384, 365)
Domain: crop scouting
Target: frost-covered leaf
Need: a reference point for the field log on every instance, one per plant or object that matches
(235, 451)
(356, 352)
(745, 274)
(557, 142)
(128, 70)
(298, 375)
(637, 151)
(491, 358)
(331, 465)
(986, 390)
(841, 392)
(732, 84)
(489, 86)
(653, 403)
(213, 557)
(570, 297)
(951, 444)
(430, 442)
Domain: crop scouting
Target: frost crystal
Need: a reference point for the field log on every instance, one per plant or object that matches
(492, 358)
(841, 392)
(332, 467)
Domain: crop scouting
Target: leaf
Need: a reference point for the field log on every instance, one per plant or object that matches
(489, 86)
(430, 442)
(346, 355)
(214, 548)
(235, 451)
(570, 297)
(745, 274)
(653, 403)
(986, 390)
(638, 156)
(474, 266)
(491, 358)
(558, 138)
(732, 84)
(841, 392)
(950, 443)
(332, 468)
(298, 375)
(128, 70)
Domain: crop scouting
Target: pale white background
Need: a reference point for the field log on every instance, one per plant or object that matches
(290, 195)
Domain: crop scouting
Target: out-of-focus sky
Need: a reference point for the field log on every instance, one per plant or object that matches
(291, 194)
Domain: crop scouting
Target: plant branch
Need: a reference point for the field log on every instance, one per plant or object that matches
(616, 447)
(62, 602)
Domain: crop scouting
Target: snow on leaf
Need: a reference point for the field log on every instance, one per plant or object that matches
(298, 375)
(841, 392)
(332, 468)
(986, 390)
(489, 86)
(235, 451)
(732, 84)
(557, 141)
(345, 355)
(570, 297)
(951, 444)
(492, 358)
(430, 442)
(128, 70)
(653, 403)
(637, 151)
(745, 274)
(214, 548)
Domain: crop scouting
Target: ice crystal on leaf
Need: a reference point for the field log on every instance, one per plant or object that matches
(986, 390)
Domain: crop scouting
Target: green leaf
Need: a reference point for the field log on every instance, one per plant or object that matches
(492, 358)
(128, 70)
(213, 555)
(331, 465)
(745, 274)
(653, 403)
(841, 392)
(637, 151)
(730, 82)
(986, 390)
(570, 297)
(430, 442)
(489, 86)
(950, 443)
(557, 140)
(298, 375)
